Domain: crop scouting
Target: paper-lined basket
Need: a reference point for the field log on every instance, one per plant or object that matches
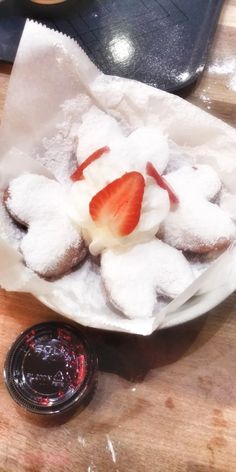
(49, 71)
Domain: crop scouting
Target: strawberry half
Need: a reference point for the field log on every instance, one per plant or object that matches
(78, 174)
(118, 205)
(152, 172)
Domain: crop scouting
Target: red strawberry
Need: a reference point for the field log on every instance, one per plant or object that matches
(152, 172)
(78, 174)
(118, 205)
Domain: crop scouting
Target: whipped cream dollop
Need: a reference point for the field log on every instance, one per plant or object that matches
(126, 154)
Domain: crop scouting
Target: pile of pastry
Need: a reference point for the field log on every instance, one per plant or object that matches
(149, 219)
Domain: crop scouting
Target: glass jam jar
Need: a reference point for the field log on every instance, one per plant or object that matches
(51, 369)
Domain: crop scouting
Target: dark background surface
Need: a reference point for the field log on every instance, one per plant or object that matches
(160, 42)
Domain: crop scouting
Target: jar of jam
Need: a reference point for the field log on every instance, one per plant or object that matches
(51, 369)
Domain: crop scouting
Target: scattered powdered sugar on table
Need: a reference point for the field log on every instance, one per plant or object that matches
(233, 82)
(226, 67)
(204, 96)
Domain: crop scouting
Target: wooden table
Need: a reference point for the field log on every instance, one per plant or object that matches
(164, 403)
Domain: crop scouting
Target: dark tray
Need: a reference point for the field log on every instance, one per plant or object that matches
(160, 42)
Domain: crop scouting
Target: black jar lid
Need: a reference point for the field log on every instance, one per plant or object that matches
(50, 368)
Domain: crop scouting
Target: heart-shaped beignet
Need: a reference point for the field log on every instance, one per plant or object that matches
(196, 224)
(51, 246)
(134, 276)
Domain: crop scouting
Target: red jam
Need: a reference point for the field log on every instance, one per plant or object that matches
(50, 368)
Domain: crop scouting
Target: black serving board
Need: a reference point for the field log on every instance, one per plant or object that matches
(160, 42)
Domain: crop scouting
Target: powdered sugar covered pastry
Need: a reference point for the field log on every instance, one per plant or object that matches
(52, 246)
(129, 151)
(96, 130)
(133, 277)
(155, 207)
(196, 224)
(8, 230)
(123, 155)
(129, 154)
(118, 203)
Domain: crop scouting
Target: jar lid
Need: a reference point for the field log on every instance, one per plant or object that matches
(50, 368)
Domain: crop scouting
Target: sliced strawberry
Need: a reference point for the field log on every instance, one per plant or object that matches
(78, 174)
(118, 205)
(152, 172)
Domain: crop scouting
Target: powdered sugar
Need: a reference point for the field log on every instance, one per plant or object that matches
(199, 267)
(155, 207)
(199, 181)
(58, 152)
(8, 230)
(228, 203)
(226, 67)
(178, 157)
(196, 224)
(87, 282)
(134, 277)
(85, 128)
(127, 153)
(41, 204)
(60, 156)
(97, 129)
(48, 72)
(232, 83)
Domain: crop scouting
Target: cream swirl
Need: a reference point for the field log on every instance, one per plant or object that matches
(126, 155)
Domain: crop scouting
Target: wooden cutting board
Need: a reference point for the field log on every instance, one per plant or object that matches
(164, 403)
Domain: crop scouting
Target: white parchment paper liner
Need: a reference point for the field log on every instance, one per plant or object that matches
(50, 69)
